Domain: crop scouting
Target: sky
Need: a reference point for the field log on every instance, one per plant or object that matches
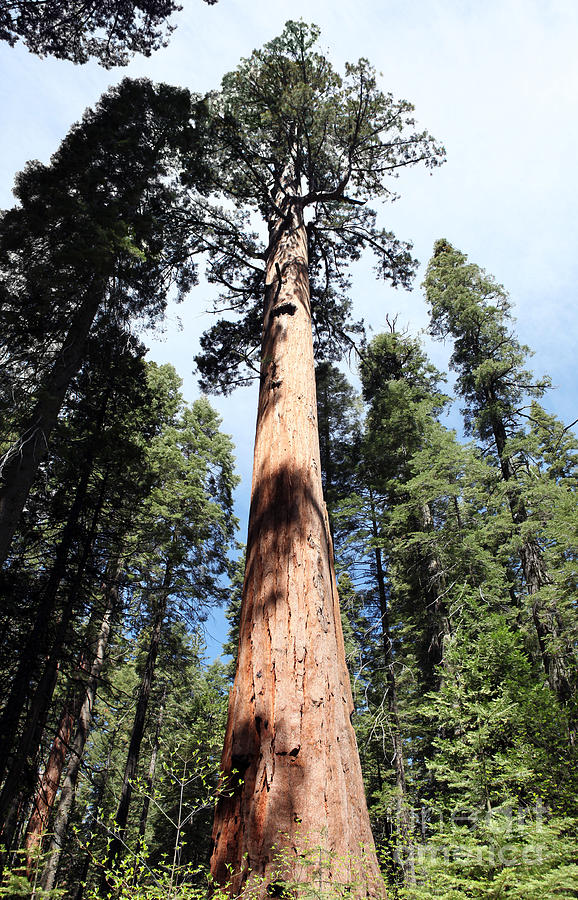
(495, 81)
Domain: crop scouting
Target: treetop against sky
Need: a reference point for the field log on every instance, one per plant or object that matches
(496, 83)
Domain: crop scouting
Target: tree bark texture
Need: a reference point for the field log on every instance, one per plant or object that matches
(49, 784)
(62, 816)
(138, 728)
(299, 788)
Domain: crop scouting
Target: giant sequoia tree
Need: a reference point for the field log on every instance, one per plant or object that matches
(305, 149)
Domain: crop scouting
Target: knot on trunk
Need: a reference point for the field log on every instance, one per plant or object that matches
(282, 309)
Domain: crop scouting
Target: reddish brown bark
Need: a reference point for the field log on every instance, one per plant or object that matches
(289, 733)
(49, 783)
(84, 721)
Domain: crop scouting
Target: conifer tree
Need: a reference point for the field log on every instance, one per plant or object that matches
(108, 30)
(470, 307)
(295, 136)
(95, 235)
(98, 467)
(185, 528)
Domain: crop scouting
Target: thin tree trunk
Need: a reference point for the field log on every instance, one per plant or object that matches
(83, 728)
(434, 582)
(40, 703)
(49, 784)
(121, 818)
(50, 781)
(38, 639)
(37, 642)
(404, 822)
(18, 782)
(20, 463)
(150, 779)
(289, 735)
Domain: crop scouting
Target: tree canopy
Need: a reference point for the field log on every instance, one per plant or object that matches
(286, 110)
(441, 568)
(110, 31)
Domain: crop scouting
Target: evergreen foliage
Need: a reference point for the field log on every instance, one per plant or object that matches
(286, 114)
(467, 751)
(456, 560)
(110, 31)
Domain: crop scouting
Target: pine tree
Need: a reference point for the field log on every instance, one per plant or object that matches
(185, 530)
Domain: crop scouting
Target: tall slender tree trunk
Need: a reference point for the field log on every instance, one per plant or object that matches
(38, 638)
(150, 779)
(18, 784)
(138, 728)
(49, 783)
(403, 811)
(30, 739)
(289, 735)
(67, 794)
(82, 686)
(439, 626)
(20, 463)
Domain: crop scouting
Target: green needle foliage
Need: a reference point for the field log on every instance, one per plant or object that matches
(456, 561)
(344, 140)
(501, 399)
(456, 690)
(110, 31)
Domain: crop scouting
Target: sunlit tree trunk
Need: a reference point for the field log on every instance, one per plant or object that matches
(289, 736)
(49, 784)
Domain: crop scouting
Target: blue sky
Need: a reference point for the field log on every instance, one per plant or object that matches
(495, 81)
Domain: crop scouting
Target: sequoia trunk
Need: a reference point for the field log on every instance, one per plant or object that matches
(293, 807)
